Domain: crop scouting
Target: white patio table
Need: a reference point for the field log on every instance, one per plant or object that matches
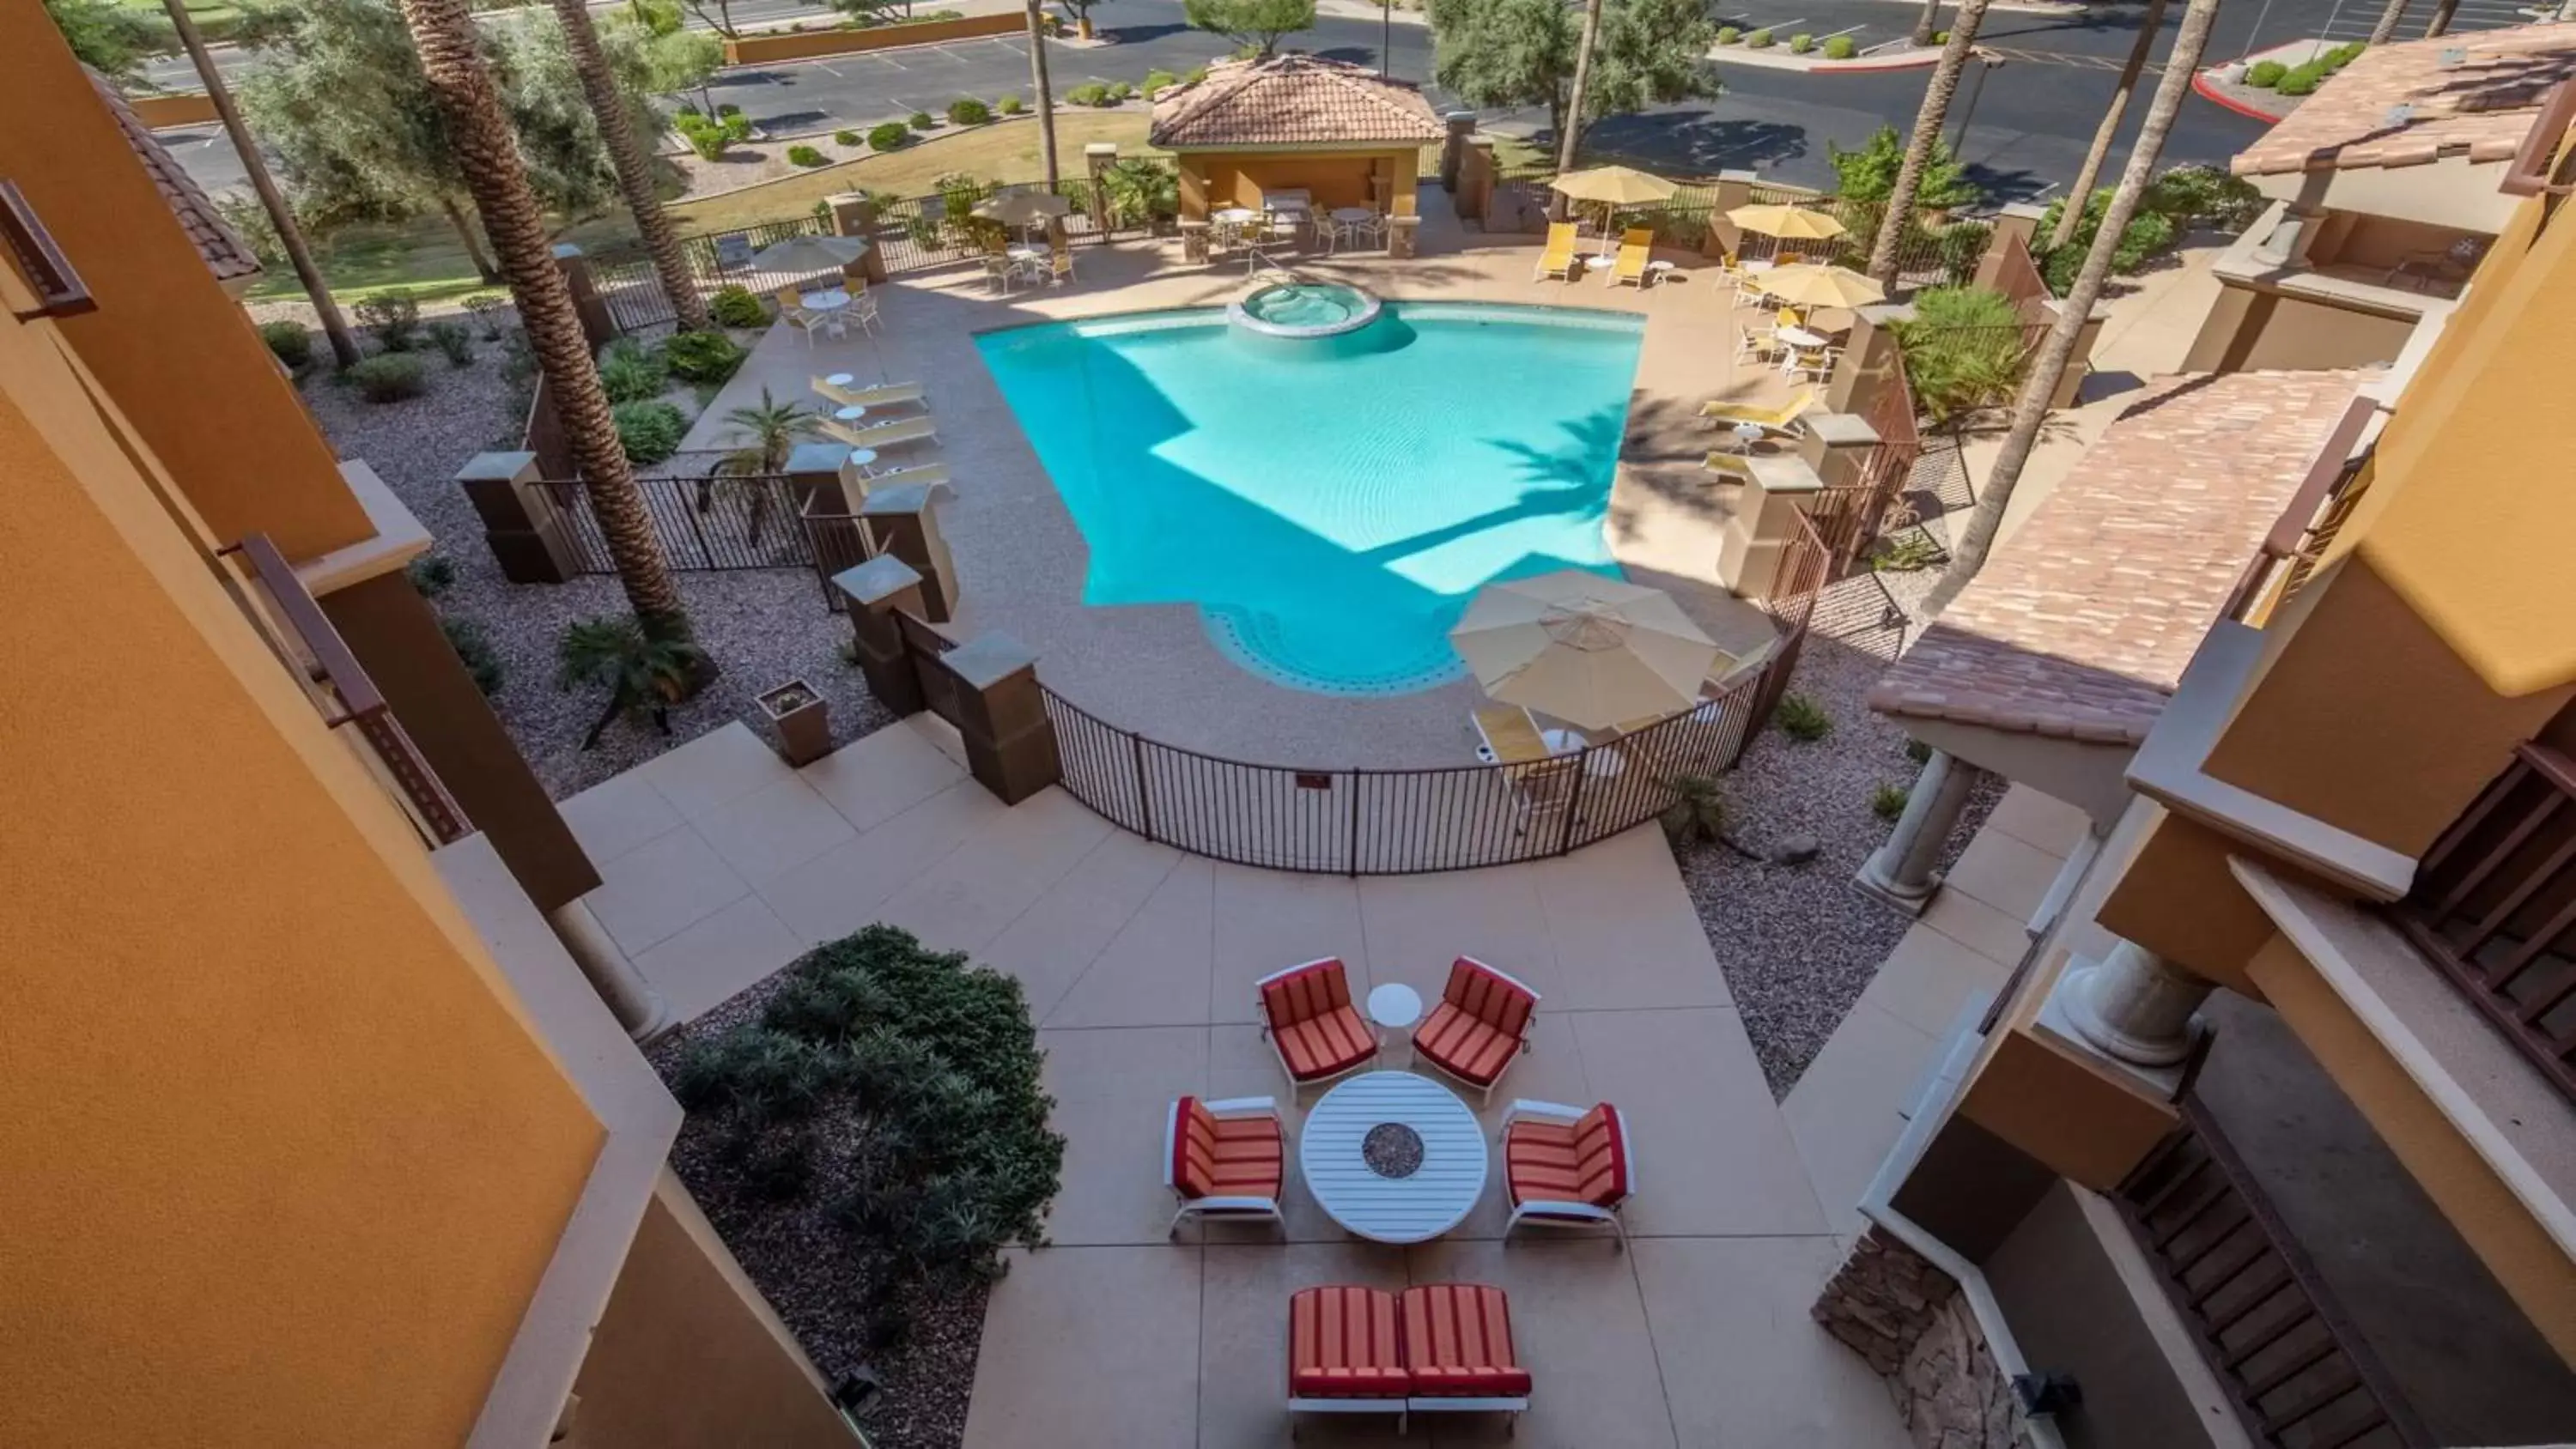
(1419, 1205)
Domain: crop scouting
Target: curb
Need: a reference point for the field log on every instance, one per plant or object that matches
(1738, 55)
(2202, 87)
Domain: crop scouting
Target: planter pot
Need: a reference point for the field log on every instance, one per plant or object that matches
(803, 719)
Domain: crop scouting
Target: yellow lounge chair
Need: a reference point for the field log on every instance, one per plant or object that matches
(1774, 419)
(1558, 260)
(1733, 467)
(1635, 249)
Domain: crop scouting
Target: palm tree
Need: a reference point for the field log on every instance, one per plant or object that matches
(1918, 147)
(634, 168)
(1570, 133)
(645, 672)
(1926, 24)
(2091, 170)
(2386, 29)
(2048, 368)
(769, 432)
(2440, 24)
(1046, 93)
(290, 234)
(487, 154)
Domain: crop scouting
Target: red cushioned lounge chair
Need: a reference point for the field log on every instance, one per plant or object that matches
(1345, 1354)
(1458, 1348)
(1306, 1013)
(1565, 1167)
(1224, 1159)
(1481, 1023)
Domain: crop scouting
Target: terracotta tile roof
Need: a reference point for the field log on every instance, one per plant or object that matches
(2480, 108)
(1292, 99)
(2081, 622)
(226, 255)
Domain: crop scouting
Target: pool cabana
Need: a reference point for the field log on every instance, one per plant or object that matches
(1342, 134)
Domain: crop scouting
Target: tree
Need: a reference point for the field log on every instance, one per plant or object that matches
(1963, 353)
(609, 110)
(2048, 366)
(1038, 82)
(1255, 25)
(2386, 29)
(109, 38)
(2091, 170)
(767, 432)
(1901, 197)
(1927, 23)
(1495, 53)
(2440, 24)
(675, 58)
(1568, 135)
(718, 15)
(461, 85)
(1081, 16)
(645, 673)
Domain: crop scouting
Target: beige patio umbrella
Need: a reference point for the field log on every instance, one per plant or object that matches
(800, 256)
(1587, 649)
(1789, 223)
(1023, 208)
(1811, 285)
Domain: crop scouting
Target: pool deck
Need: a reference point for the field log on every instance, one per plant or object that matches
(1021, 560)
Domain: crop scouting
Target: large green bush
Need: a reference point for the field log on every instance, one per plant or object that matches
(632, 373)
(2174, 203)
(1759, 40)
(734, 305)
(394, 316)
(920, 121)
(1009, 105)
(1728, 35)
(708, 357)
(968, 111)
(804, 155)
(388, 377)
(1801, 43)
(1965, 349)
(290, 341)
(2265, 74)
(1841, 47)
(1090, 93)
(2302, 80)
(1155, 80)
(650, 431)
(889, 136)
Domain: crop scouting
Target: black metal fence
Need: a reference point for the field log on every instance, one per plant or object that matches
(706, 522)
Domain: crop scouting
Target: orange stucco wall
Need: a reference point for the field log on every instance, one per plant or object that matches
(798, 45)
(180, 357)
(281, 1163)
(1212, 180)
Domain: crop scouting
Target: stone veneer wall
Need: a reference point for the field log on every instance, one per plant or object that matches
(1907, 1320)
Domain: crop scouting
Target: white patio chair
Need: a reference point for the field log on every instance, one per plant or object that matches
(1201, 1189)
(1545, 1193)
(841, 388)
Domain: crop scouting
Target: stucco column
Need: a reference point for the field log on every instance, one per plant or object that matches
(638, 1007)
(1838, 446)
(2133, 1004)
(853, 214)
(1403, 236)
(596, 323)
(521, 525)
(875, 591)
(1475, 198)
(1010, 741)
(1900, 871)
(1870, 358)
(1734, 189)
(901, 523)
(2020, 220)
(2079, 364)
(1194, 242)
(1453, 147)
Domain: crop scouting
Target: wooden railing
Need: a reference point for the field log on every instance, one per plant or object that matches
(2288, 555)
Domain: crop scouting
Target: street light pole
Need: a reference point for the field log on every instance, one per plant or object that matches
(1385, 36)
(1988, 63)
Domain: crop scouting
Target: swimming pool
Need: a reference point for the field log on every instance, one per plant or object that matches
(1331, 504)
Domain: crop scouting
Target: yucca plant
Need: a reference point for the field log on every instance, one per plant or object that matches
(644, 671)
(768, 433)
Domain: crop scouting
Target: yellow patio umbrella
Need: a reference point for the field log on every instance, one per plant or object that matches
(1789, 223)
(1811, 285)
(1612, 187)
(1587, 649)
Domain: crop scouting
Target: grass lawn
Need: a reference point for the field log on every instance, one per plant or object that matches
(1005, 151)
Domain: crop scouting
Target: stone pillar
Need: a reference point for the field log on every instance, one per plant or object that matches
(1403, 235)
(2133, 1004)
(1097, 158)
(1883, 1297)
(1194, 241)
(1870, 358)
(1010, 742)
(2079, 363)
(901, 524)
(596, 324)
(2017, 221)
(1453, 147)
(1759, 530)
(528, 535)
(853, 214)
(876, 591)
(638, 1007)
(1475, 196)
(1900, 871)
(814, 477)
(1838, 446)
(1734, 189)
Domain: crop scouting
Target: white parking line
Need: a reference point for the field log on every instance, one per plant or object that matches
(826, 69)
(1013, 49)
(896, 64)
(1846, 30)
(944, 53)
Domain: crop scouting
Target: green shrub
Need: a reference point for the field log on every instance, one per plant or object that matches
(1801, 43)
(394, 316)
(2302, 80)
(708, 357)
(803, 155)
(1155, 80)
(889, 136)
(1120, 91)
(920, 121)
(1841, 47)
(2198, 195)
(733, 305)
(1802, 719)
(1915, 750)
(388, 377)
(1197, 74)
(1940, 37)
(2343, 55)
(847, 138)
(474, 650)
(1009, 105)
(1888, 801)
(432, 574)
(1699, 812)
(2265, 74)
(1907, 553)
(967, 111)
(453, 339)
(737, 127)
(650, 431)
(487, 311)
(1090, 93)
(632, 373)
(292, 344)
(1728, 35)
(708, 138)
(1759, 40)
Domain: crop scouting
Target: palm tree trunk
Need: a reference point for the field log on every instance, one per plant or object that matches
(2072, 213)
(1569, 131)
(1046, 93)
(2386, 29)
(2440, 24)
(634, 168)
(2030, 409)
(1937, 94)
(487, 153)
(472, 240)
(1927, 24)
(344, 346)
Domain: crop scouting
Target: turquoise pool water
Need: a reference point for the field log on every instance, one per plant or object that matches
(1329, 505)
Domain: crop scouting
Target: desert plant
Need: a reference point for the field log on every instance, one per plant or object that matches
(394, 316)
(644, 672)
(487, 312)
(1919, 752)
(920, 121)
(1888, 801)
(1197, 73)
(708, 357)
(968, 111)
(803, 155)
(649, 431)
(767, 432)
(710, 139)
(850, 139)
(1801, 43)
(735, 305)
(1759, 40)
(453, 339)
(432, 574)
(1089, 93)
(1841, 47)
(474, 650)
(1802, 719)
(2265, 74)
(1141, 191)
(632, 373)
(291, 343)
(1728, 34)
(2302, 80)
(889, 136)
(1906, 553)
(1119, 91)
(1155, 80)
(388, 377)
(1700, 810)
(1009, 105)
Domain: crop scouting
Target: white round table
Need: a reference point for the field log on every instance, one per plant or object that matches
(840, 379)
(850, 414)
(1797, 336)
(826, 301)
(1395, 1006)
(1436, 1197)
(860, 458)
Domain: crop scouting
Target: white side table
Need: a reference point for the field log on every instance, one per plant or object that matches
(1446, 1172)
(1396, 1007)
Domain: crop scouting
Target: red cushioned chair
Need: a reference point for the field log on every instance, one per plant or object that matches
(1346, 1354)
(1458, 1348)
(1225, 1159)
(1481, 1023)
(1565, 1167)
(1306, 1013)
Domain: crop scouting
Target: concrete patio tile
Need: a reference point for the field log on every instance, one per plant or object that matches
(1243, 1342)
(1843, 1112)
(1089, 1348)
(1713, 1156)
(1929, 977)
(877, 777)
(1993, 934)
(1112, 1087)
(1418, 924)
(1155, 971)
(1624, 929)
(2039, 819)
(617, 815)
(1056, 939)
(1579, 1323)
(996, 872)
(2005, 873)
(773, 830)
(1267, 920)
(1743, 1365)
(843, 889)
(661, 888)
(719, 957)
(715, 770)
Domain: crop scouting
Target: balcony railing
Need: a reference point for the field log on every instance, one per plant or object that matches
(2287, 555)
(2301, 1374)
(2494, 907)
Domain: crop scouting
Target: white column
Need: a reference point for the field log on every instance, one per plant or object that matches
(2133, 1004)
(639, 1008)
(1900, 871)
